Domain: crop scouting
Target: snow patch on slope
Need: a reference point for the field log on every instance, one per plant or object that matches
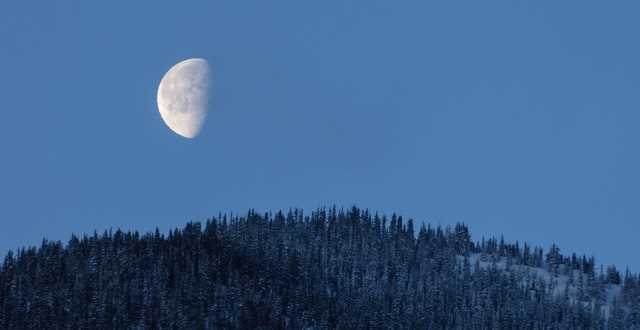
(558, 283)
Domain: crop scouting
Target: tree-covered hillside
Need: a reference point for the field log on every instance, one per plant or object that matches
(331, 269)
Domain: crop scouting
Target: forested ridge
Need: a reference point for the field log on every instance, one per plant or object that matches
(330, 269)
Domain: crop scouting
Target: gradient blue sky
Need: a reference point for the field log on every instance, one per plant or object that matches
(516, 117)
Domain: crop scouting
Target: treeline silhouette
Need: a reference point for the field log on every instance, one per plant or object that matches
(331, 269)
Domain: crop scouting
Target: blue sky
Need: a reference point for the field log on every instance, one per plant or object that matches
(518, 118)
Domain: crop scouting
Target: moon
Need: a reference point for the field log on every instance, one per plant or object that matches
(183, 97)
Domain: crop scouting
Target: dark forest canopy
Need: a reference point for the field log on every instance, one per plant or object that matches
(327, 270)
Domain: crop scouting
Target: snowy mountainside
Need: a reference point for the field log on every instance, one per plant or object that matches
(564, 282)
(330, 269)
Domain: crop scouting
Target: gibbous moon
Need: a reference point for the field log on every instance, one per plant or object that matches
(183, 97)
